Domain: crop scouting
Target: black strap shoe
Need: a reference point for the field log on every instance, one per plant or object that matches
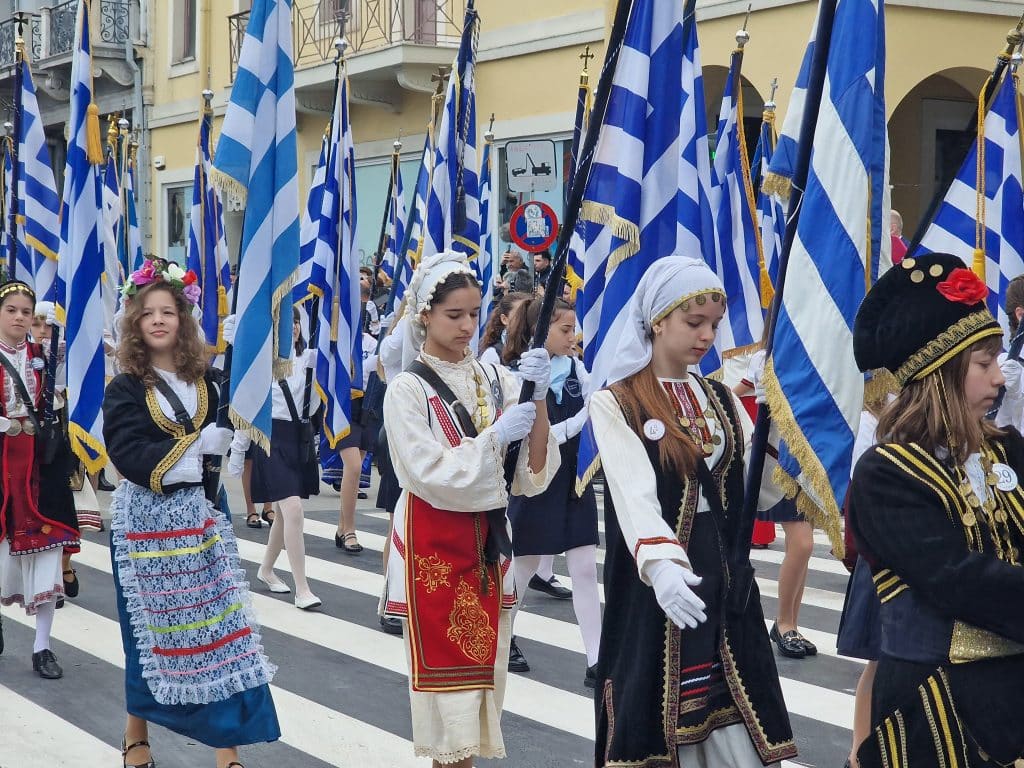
(550, 587)
(125, 749)
(45, 664)
(516, 661)
(391, 625)
(590, 680)
(789, 644)
(71, 587)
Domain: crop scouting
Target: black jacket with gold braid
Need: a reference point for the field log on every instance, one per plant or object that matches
(949, 572)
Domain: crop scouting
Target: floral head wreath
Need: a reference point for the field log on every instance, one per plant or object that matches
(162, 271)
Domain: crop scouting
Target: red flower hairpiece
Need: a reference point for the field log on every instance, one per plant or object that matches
(963, 286)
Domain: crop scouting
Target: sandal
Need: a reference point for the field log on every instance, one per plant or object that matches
(253, 520)
(234, 762)
(126, 749)
(266, 515)
(342, 542)
(70, 587)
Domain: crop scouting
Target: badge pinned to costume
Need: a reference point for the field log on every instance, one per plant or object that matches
(38, 363)
(654, 429)
(1006, 478)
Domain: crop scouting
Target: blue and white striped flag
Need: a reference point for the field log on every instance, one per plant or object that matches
(207, 245)
(647, 191)
(995, 244)
(19, 265)
(486, 257)
(132, 244)
(574, 260)
(256, 159)
(396, 235)
(38, 201)
(814, 388)
(414, 222)
(771, 215)
(453, 205)
(111, 220)
(335, 279)
(737, 238)
(80, 264)
(309, 229)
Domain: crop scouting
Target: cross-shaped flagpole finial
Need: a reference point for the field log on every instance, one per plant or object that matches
(586, 56)
(441, 78)
(774, 86)
(490, 127)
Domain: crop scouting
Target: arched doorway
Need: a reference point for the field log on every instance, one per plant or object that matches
(753, 105)
(928, 134)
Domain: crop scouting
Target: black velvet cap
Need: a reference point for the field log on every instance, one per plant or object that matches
(919, 315)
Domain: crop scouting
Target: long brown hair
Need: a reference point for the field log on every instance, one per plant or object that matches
(494, 327)
(1014, 299)
(916, 415)
(645, 398)
(523, 323)
(133, 354)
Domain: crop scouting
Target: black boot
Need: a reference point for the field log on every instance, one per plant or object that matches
(45, 663)
(103, 484)
(516, 661)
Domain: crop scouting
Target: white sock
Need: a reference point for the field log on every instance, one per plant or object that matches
(586, 600)
(545, 569)
(44, 624)
(524, 566)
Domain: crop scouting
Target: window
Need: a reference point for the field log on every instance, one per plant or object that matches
(178, 215)
(183, 37)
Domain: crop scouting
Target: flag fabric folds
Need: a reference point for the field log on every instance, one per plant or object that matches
(486, 257)
(737, 253)
(335, 280)
(396, 235)
(132, 244)
(771, 215)
(993, 243)
(584, 103)
(207, 246)
(309, 229)
(109, 224)
(256, 159)
(80, 266)
(814, 388)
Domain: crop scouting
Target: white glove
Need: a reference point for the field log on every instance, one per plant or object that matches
(4, 424)
(1012, 371)
(214, 440)
(568, 429)
(515, 423)
(760, 395)
(236, 463)
(51, 315)
(535, 366)
(230, 325)
(681, 604)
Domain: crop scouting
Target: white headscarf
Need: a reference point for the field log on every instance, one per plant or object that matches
(668, 283)
(431, 272)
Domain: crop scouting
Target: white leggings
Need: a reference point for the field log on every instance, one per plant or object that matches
(586, 601)
(286, 533)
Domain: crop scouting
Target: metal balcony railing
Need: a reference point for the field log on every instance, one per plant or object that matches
(32, 32)
(53, 30)
(371, 24)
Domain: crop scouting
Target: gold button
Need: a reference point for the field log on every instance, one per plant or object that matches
(917, 276)
(935, 270)
(969, 519)
(909, 263)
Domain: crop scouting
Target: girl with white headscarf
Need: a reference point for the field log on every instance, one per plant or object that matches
(680, 680)
(449, 420)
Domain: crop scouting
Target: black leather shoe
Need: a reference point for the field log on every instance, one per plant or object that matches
(104, 484)
(391, 625)
(1, 635)
(71, 587)
(590, 679)
(809, 648)
(516, 661)
(45, 663)
(550, 587)
(789, 644)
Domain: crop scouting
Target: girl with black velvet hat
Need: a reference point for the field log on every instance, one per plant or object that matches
(938, 512)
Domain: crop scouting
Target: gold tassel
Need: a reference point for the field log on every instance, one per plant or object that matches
(978, 265)
(767, 291)
(93, 142)
(222, 301)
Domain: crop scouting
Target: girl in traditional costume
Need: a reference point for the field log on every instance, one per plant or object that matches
(194, 661)
(37, 516)
(938, 511)
(449, 421)
(288, 474)
(559, 520)
(681, 680)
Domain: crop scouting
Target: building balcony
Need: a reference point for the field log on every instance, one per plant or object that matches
(394, 46)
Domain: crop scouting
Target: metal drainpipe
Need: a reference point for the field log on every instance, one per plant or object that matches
(143, 177)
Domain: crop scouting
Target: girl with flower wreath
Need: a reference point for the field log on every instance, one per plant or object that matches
(194, 660)
(449, 421)
(37, 512)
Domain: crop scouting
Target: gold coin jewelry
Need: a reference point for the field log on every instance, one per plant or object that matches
(481, 417)
(14, 428)
(29, 428)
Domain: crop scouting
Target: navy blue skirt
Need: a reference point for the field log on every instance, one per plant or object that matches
(283, 473)
(783, 512)
(860, 627)
(248, 717)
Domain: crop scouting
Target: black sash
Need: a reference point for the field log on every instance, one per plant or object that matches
(498, 541)
(307, 445)
(211, 480)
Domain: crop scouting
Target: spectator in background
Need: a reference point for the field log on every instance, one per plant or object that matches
(541, 268)
(899, 243)
(515, 275)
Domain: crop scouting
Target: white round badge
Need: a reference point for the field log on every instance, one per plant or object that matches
(1007, 478)
(654, 429)
(38, 363)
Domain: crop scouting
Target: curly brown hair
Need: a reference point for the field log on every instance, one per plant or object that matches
(133, 354)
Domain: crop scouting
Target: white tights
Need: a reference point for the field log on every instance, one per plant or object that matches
(286, 533)
(586, 601)
(44, 625)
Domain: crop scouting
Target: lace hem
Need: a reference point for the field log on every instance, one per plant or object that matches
(459, 754)
(32, 606)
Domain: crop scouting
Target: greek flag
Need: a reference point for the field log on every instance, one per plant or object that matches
(18, 262)
(396, 235)
(486, 258)
(256, 159)
(207, 246)
(815, 391)
(80, 265)
(584, 103)
(985, 226)
(647, 190)
(37, 198)
(771, 215)
(335, 280)
(737, 239)
(453, 204)
(309, 230)
(111, 220)
(414, 231)
(131, 245)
